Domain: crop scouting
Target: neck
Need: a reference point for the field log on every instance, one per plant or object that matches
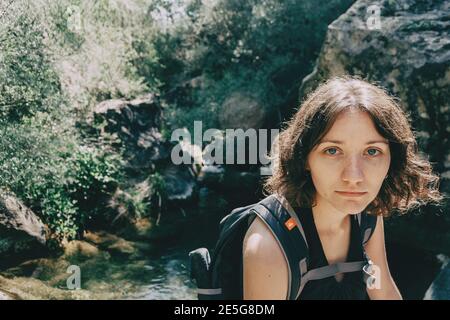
(327, 218)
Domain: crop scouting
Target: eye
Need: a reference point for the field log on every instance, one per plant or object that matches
(334, 151)
(373, 152)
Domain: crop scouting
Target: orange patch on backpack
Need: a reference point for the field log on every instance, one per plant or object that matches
(290, 224)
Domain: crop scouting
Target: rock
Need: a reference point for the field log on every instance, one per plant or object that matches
(111, 243)
(15, 215)
(220, 187)
(149, 167)
(26, 288)
(122, 247)
(234, 180)
(408, 55)
(211, 201)
(136, 123)
(228, 179)
(8, 296)
(242, 110)
(440, 288)
(80, 249)
(179, 182)
(127, 204)
(211, 176)
(37, 268)
(22, 233)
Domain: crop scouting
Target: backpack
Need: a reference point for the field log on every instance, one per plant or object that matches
(219, 276)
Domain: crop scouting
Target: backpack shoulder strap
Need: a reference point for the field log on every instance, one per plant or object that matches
(281, 219)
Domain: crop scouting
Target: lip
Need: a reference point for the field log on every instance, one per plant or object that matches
(351, 194)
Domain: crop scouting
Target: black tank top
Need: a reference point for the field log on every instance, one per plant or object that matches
(352, 285)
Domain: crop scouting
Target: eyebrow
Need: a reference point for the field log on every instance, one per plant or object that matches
(341, 142)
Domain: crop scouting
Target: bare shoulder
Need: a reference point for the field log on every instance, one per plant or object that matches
(265, 267)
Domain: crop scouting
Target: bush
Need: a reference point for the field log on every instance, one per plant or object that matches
(28, 83)
(33, 168)
(62, 181)
(262, 47)
(48, 74)
(92, 176)
(102, 49)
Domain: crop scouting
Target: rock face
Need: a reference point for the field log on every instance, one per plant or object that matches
(179, 182)
(8, 296)
(136, 123)
(241, 110)
(410, 56)
(22, 234)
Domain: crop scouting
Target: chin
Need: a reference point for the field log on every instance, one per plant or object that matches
(352, 208)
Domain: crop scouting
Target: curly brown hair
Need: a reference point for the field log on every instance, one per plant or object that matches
(410, 181)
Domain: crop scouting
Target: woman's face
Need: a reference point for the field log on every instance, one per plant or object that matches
(351, 157)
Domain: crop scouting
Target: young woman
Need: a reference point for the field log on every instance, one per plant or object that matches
(348, 149)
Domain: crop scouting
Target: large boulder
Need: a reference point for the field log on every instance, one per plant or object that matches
(135, 125)
(8, 296)
(134, 128)
(409, 55)
(22, 233)
(242, 110)
(179, 182)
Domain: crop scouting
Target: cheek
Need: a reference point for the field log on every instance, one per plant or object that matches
(325, 174)
(378, 169)
(322, 182)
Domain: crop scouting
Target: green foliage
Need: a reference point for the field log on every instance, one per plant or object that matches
(60, 58)
(28, 83)
(131, 203)
(92, 175)
(64, 20)
(33, 169)
(103, 49)
(49, 71)
(144, 59)
(59, 179)
(157, 184)
(209, 49)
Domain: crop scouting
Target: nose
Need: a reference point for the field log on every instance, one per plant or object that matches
(353, 170)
